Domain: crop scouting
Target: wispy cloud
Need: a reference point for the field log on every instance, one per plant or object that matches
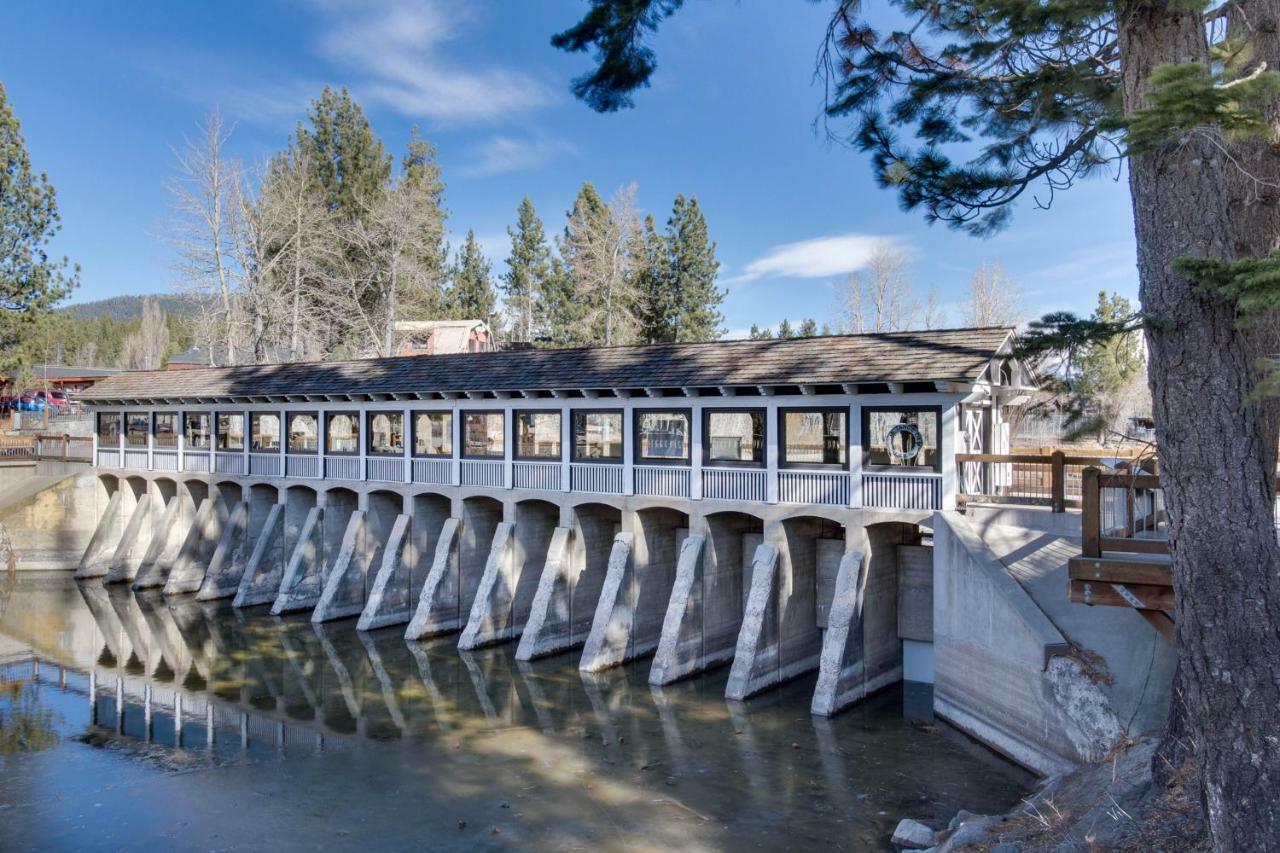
(1105, 262)
(502, 154)
(817, 258)
(396, 49)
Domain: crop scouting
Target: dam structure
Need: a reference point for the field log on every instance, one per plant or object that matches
(766, 506)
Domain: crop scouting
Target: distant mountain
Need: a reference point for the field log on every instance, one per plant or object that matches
(129, 307)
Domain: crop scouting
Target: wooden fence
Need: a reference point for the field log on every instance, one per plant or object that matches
(1037, 479)
(65, 448)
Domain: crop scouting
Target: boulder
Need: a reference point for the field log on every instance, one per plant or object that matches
(912, 835)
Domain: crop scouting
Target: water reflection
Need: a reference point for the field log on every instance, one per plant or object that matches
(232, 684)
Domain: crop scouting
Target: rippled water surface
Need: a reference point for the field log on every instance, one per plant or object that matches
(131, 721)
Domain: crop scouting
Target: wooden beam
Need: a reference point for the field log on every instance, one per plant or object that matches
(1100, 593)
(1109, 570)
(1090, 514)
(653, 392)
(1134, 546)
(1161, 621)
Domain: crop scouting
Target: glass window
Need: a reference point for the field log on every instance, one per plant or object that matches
(230, 434)
(482, 436)
(901, 438)
(597, 436)
(166, 430)
(386, 433)
(108, 428)
(433, 434)
(136, 427)
(537, 435)
(342, 433)
(734, 435)
(663, 436)
(815, 437)
(264, 432)
(304, 432)
(196, 427)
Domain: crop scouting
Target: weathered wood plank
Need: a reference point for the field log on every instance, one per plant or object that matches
(1102, 593)
(1112, 570)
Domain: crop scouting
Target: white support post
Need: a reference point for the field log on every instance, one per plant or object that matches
(151, 439)
(773, 435)
(93, 450)
(855, 455)
(322, 439)
(181, 428)
(122, 422)
(508, 446)
(949, 436)
(455, 461)
(566, 447)
(362, 441)
(246, 439)
(406, 435)
(695, 453)
(628, 449)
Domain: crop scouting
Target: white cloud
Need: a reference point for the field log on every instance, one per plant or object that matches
(502, 154)
(396, 47)
(817, 258)
(1108, 262)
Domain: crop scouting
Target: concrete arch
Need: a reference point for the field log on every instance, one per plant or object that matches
(536, 522)
(481, 515)
(298, 503)
(575, 500)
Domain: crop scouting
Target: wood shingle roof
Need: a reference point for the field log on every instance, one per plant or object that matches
(949, 355)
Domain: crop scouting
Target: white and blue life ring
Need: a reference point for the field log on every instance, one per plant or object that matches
(913, 445)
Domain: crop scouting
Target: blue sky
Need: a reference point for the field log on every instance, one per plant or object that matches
(106, 91)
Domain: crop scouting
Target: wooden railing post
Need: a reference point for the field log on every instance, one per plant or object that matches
(1058, 481)
(1090, 514)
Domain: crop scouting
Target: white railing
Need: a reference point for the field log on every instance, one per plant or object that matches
(266, 465)
(898, 491)
(228, 463)
(195, 461)
(432, 472)
(109, 458)
(734, 484)
(342, 467)
(536, 475)
(662, 481)
(164, 460)
(597, 479)
(305, 466)
(813, 487)
(386, 469)
(477, 473)
(134, 458)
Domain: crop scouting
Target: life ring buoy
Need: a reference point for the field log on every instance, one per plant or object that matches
(913, 446)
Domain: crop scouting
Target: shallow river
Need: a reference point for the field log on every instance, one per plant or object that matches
(130, 721)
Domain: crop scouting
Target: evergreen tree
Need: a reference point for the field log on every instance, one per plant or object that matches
(565, 303)
(808, 328)
(692, 269)
(423, 186)
(472, 296)
(348, 160)
(1110, 363)
(528, 268)
(785, 330)
(653, 286)
(825, 331)
(759, 334)
(30, 283)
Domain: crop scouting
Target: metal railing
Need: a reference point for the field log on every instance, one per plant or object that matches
(67, 448)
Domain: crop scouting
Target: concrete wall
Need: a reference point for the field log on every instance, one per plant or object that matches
(319, 544)
(1001, 668)
(633, 601)
(512, 573)
(405, 562)
(351, 571)
(572, 578)
(50, 513)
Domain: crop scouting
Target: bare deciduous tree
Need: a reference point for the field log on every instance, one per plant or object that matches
(145, 348)
(603, 246)
(880, 300)
(993, 298)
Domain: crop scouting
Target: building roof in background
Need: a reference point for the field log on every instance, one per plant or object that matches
(66, 371)
(950, 355)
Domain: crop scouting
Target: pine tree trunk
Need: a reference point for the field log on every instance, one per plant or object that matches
(1217, 453)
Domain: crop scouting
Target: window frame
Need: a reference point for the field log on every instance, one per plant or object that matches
(288, 432)
(187, 417)
(515, 435)
(784, 465)
(97, 427)
(217, 432)
(708, 462)
(597, 460)
(146, 433)
(462, 435)
(637, 434)
(253, 429)
(369, 415)
(413, 437)
(329, 415)
(935, 469)
(155, 436)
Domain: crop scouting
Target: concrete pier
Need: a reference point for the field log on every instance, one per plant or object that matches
(450, 588)
(637, 587)
(121, 500)
(406, 561)
(198, 547)
(169, 534)
(319, 545)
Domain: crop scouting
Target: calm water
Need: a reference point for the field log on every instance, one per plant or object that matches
(128, 721)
